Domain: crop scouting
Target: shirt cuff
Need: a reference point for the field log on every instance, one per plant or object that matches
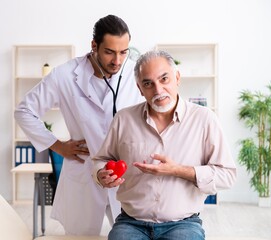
(205, 179)
(97, 166)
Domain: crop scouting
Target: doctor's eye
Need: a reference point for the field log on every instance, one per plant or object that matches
(108, 52)
(124, 52)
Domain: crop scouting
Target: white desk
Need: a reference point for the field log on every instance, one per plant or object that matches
(38, 169)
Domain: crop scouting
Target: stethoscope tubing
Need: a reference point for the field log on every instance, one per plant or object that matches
(115, 93)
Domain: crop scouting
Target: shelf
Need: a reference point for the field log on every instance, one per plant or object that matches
(28, 77)
(26, 141)
(28, 61)
(197, 76)
(53, 116)
(198, 69)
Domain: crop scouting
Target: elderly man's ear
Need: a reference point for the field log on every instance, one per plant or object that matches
(178, 77)
(139, 90)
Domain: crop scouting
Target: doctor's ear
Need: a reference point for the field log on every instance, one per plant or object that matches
(94, 46)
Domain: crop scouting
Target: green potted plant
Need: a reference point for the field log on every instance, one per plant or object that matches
(255, 152)
(177, 62)
(48, 126)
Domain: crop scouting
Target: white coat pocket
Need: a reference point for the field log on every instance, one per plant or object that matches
(78, 172)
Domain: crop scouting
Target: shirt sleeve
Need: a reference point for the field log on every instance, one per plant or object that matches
(211, 179)
(106, 153)
(218, 171)
(97, 166)
(35, 104)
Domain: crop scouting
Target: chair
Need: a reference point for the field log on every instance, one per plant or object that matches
(12, 227)
(56, 161)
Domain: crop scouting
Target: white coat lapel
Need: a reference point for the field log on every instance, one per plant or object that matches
(84, 71)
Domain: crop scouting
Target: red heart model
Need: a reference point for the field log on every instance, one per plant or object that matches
(119, 167)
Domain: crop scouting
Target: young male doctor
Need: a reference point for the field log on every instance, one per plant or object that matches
(88, 90)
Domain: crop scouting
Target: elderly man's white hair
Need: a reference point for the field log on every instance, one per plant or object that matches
(146, 57)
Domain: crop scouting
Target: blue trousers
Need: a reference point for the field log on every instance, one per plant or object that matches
(128, 228)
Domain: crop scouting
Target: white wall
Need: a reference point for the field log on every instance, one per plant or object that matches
(240, 27)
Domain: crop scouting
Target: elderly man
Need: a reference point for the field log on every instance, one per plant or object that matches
(176, 155)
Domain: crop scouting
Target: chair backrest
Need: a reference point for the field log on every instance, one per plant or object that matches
(12, 226)
(56, 161)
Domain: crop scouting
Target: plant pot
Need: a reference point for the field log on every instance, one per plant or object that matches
(264, 202)
(46, 69)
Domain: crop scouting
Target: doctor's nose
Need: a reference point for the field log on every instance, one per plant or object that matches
(117, 60)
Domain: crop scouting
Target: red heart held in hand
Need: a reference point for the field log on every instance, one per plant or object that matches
(119, 167)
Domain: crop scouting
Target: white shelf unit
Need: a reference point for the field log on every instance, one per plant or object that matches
(198, 70)
(28, 61)
(199, 77)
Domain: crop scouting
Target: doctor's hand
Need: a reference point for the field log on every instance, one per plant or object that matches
(71, 149)
(108, 180)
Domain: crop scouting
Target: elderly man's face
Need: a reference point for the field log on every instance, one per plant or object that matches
(158, 83)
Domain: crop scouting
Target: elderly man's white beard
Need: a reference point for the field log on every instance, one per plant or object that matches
(165, 108)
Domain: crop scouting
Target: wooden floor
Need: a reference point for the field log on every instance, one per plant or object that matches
(224, 220)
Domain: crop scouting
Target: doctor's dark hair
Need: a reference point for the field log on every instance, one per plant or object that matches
(146, 57)
(110, 24)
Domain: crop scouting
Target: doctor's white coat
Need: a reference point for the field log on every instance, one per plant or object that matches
(79, 203)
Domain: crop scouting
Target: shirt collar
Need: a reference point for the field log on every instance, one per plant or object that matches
(178, 113)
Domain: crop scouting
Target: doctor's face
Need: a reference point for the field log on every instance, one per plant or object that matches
(112, 52)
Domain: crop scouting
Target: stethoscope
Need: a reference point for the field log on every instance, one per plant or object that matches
(115, 93)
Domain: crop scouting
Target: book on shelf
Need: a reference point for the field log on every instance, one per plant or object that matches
(199, 100)
(24, 154)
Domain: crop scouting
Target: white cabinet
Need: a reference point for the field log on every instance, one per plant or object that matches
(28, 62)
(198, 68)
